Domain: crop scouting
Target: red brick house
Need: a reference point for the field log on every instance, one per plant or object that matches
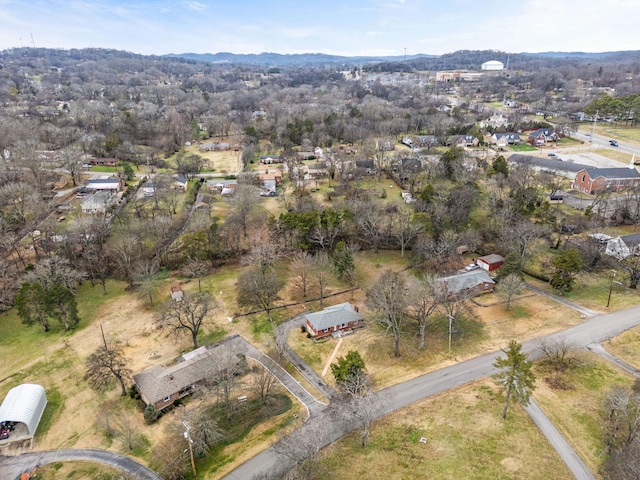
(343, 317)
(161, 386)
(591, 180)
(105, 162)
(542, 136)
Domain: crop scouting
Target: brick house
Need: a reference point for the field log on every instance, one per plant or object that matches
(542, 136)
(161, 386)
(105, 162)
(343, 318)
(591, 180)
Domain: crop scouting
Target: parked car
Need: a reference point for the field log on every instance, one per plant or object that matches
(551, 154)
(613, 143)
(470, 267)
(270, 193)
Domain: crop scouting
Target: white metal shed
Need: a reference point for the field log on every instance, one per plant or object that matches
(24, 404)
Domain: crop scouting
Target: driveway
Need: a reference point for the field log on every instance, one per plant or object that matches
(313, 406)
(12, 467)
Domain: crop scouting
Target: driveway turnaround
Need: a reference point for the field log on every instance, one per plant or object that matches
(240, 345)
(12, 467)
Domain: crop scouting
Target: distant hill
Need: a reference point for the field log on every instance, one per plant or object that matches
(622, 55)
(467, 59)
(284, 60)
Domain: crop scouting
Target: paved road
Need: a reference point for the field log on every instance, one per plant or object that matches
(594, 329)
(12, 467)
(598, 349)
(558, 442)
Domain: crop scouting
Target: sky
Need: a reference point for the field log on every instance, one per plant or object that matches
(337, 27)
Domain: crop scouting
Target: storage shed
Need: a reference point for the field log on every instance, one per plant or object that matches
(490, 262)
(24, 405)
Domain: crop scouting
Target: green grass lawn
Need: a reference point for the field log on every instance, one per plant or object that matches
(523, 147)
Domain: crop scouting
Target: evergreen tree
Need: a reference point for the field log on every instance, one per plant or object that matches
(516, 375)
(567, 265)
(499, 165)
(343, 263)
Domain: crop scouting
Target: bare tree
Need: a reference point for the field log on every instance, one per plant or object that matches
(622, 424)
(301, 267)
(260, 288)
(301, 448)
(509, 286)
(453, 304)
(227, 368)
(558, 353)
(145, 279)
(387, 298)
(187, 315)
(126, 428)
(105, 364)
(71, 160)
(321, 272)
(422, 303)
(53, 271)
(406, 230)
(197, 268)
(243, 203)
(262, 383)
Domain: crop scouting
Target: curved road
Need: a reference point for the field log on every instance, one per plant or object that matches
(12, 467)
(593, 330)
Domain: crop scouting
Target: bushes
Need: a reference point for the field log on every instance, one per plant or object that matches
(151, 414)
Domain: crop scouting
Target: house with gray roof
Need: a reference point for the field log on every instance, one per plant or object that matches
(98, 203)
(161, 386)
(472, 283)
(105, 184)
(591, 179)
(339, 319)
(504, 139)
(557, 167)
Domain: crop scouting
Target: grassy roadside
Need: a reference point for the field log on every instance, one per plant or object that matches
(466, 438)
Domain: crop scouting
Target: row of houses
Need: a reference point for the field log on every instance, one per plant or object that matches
(537, 138)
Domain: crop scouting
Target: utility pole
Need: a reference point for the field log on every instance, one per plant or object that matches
(613, 275)
(593, 129)
(187, 436)
(103, 338)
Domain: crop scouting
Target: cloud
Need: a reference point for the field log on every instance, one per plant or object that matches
(374, 34)
(196, 6)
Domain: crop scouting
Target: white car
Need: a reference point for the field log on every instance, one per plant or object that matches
(470, 267)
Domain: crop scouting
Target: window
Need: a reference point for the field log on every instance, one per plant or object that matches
(583, 177)
(166, 399)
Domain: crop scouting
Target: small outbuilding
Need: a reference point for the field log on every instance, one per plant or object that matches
(490, 262)
(22, 409)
